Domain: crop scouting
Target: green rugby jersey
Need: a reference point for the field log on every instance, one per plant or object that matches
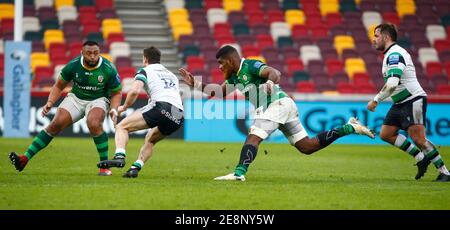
(248, 81)
(91, 83)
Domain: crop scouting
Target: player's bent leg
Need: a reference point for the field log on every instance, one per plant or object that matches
(417, 133)
(94, 121)
(299, 138)
(388, 133)
(308, 145)
(259, 131)
(95, 117)
(61, 120)
(133, 122)
(153, 136)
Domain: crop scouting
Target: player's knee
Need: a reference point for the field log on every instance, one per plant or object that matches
(385, 136)
(305, 149)
(54, 128)
(419, 141)
(95, 125)
(121, 126)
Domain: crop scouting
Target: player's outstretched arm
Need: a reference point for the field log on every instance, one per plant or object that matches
(54, 95)
(196, 84)
(132, 95)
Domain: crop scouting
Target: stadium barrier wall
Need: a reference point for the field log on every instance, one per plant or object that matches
(228, 121)
(37, 122)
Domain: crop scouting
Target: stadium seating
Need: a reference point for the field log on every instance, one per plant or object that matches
(57, 29)
(283, 33)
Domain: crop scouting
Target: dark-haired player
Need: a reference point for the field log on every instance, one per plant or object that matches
(274, 108)
(96, 91)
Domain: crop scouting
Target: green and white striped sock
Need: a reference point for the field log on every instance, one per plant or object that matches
(433, 154)
(137, 164)
(404, 144)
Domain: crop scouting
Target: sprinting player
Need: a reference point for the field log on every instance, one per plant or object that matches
(96, 91)
(163, 113)
(274, 109)
(410, 104)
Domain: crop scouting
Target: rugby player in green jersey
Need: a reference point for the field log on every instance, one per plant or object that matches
(96, 91)
(274, 108)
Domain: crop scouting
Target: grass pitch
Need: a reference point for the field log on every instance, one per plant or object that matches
(180, 176)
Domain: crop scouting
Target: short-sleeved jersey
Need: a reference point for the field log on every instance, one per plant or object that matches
(398, 63)
(91, 83)
(160, 84)
(248, 81)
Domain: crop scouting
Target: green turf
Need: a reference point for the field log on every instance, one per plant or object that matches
(179, 176)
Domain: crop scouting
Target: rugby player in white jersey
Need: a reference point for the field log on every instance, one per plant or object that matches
(163, 113)
(410, 104)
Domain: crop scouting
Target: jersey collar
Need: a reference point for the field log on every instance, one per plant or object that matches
(100, 60)
(240, 66)
(393, 44)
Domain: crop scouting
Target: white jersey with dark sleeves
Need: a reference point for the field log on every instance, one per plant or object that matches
(160, 84)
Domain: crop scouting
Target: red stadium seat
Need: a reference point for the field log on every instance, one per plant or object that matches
(43, 77)
(251, 5)
(293, 65)
(2, 60)
(366, 88)
(433, 69)
(126, 72)
(319, 31)
(256, 17)
(195, 63)
(333, 19)
(334, 66)
(250, 50)
(274, 15)
(442, 45)
(391, 17)
(305, 87)
(264, 40)
(299, 31)
(447, 69)
(75, 49)
(208, 4)
(443, 89)
(360, 79)
(91, 27)
(345, 88)
(87, 9)
(104, 4)
(224, 39)
(87, 16)
(222, 29)
(6, 25)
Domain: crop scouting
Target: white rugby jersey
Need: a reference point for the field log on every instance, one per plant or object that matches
(398, 63)
(160, 84)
